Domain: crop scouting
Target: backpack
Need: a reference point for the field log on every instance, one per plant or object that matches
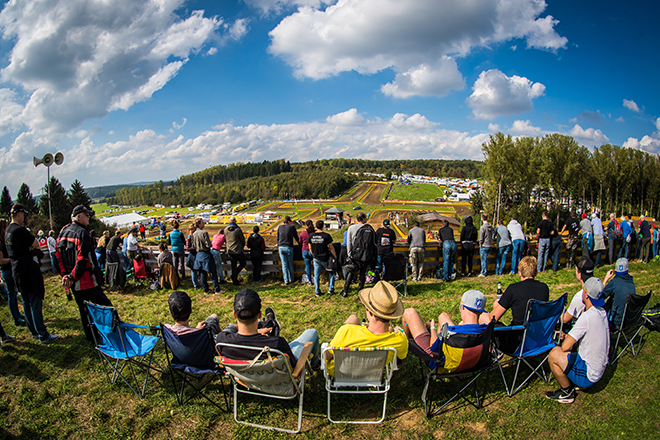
(364, 245)
(652, 318)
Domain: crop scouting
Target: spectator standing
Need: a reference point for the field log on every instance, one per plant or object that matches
(178, 245)
(143, 232)
(7, 277)
(446, 236)
(469, 236)
(111, 250)
(555, 249)
(518, 243)
(613, 231)
(101, 247)
(544, 230)
(655, 236)
(52, 249)
(320, 244)
(235, 249)
(385, 239)
(626, 237)
(417, 242)
(216, 252)
(361, 249)
(599, 237)
(163, 230)
(485, 243)
(204, 261)
(306, 254)
(573, 228)
(503, 241)
(286, 235)
(645, 233)
(587, 235)
(257, 246)
(21, 247)
(192, 255)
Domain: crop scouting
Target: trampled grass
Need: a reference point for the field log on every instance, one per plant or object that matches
(60, 391)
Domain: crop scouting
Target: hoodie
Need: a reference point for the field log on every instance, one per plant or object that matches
(515, 230)
(469, 232)
(235, 239)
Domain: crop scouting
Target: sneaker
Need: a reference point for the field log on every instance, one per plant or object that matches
(219, 290)
(8, 338)
(561, 396)
(482, 275)
(344, 293)
(318, 293)
(21, 323)
(206, 292)
(270, 315)
(332, 292)
(49, 339)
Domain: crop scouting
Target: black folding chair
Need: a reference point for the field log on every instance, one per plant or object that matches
(193, 363)
(395, 266)
(631, 327)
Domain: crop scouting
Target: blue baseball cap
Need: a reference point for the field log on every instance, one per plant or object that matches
(594, 288)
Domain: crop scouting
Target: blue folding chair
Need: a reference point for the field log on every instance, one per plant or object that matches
(193, 362)
(119, 346)
(538, 338)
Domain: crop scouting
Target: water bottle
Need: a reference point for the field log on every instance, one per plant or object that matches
(499, 291)
(69, 297)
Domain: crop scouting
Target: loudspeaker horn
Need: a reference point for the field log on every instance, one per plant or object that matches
(59, 158)
(47, 160)
(36, 161)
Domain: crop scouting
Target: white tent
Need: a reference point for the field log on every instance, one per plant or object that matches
(124, 220)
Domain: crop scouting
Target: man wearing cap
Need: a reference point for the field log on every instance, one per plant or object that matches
(247, 311)
(586, 366)
(385, 239)
(22, 247)
(426, 335)
(78, 265)
(383, 305)
(618, 285)
(583, 271)
(181, 308)
(235, 249)
(204, 262)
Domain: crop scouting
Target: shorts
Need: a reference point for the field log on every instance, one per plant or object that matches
(576, 370)
(424, 342)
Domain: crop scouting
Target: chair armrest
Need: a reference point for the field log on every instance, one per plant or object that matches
(508, 328)
(147, 327)
(300, 365)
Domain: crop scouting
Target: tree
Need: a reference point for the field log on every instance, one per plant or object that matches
(61, 209)
(25, 198)
(5, 202)
(78, 195)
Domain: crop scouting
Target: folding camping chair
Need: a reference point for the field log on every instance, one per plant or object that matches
(121, 346)
(465, 356)
(142, 272)
(271, 377)
(395, 266)
(632, 326)
(192, 361)
(538, 338)
(359, 371)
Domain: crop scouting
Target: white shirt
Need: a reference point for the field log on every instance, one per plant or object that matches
(576, 307)
(593, 334)
(132, 243)
(52, 244)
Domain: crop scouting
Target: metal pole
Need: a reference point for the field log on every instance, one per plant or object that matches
(50, 215)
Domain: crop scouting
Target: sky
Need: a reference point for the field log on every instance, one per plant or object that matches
(145, 90)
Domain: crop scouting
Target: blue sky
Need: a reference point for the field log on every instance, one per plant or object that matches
(146, 90)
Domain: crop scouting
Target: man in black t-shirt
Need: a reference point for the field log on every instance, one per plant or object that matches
(385, 239)
(573, 227)
(320, 245)
(545, 230)
(111, 250)
(247, 311)
(516, 297)
(22, 247)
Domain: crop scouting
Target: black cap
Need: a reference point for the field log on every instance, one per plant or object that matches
(80, 209)
(247, 305)
(386, 222)
(180, 305)
(586, 267)
(17, 208)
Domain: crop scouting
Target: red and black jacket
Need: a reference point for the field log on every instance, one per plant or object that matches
(76, 257)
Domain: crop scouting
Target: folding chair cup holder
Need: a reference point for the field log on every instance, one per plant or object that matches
(272, 377)
(362, 371)
(630, 328)
(538, 338)
(119, 345)
(192, 362)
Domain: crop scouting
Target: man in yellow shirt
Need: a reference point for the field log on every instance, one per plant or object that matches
(383, 305)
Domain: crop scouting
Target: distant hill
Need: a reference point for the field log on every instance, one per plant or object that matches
(102, 192)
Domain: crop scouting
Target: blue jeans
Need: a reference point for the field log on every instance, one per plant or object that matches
(448, 252)
(12, 297)
(34, 317)
(518, 246)
(624, 245)
(310, 335)
(286, 255)
(217, 257)
(544, 250)
(484, 252)
(127, 262)
(500, 261)
(318, 266)
(53, 262)
(204, 260)
(555, 249)
(307, 258)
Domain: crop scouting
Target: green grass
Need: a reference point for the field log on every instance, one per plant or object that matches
(61, 392)
(417, 191)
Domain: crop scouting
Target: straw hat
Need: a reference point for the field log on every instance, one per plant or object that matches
(382, 300)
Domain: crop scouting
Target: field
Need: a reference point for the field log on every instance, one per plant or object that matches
(417, 191)
(61, 392)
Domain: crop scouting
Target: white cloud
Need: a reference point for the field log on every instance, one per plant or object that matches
(493, 128)
(620, 119)
(347, 118)
(415, 122)
(415, 38)
(650, 143)
(78, 59)
(267, 6)
(496, 94)
(589, 136)
(176, 126)
(525, 128)
(631, 105)
(9, 111)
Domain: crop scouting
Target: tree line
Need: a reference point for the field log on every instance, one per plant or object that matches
(527, 175)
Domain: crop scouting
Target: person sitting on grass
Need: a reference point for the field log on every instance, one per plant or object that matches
(586, 366)
(251, 331)
(382, 305)
(426, 336)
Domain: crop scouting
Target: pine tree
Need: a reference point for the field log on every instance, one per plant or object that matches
(25, 198)
(78, 195)
(5, 202)
(61, 209)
